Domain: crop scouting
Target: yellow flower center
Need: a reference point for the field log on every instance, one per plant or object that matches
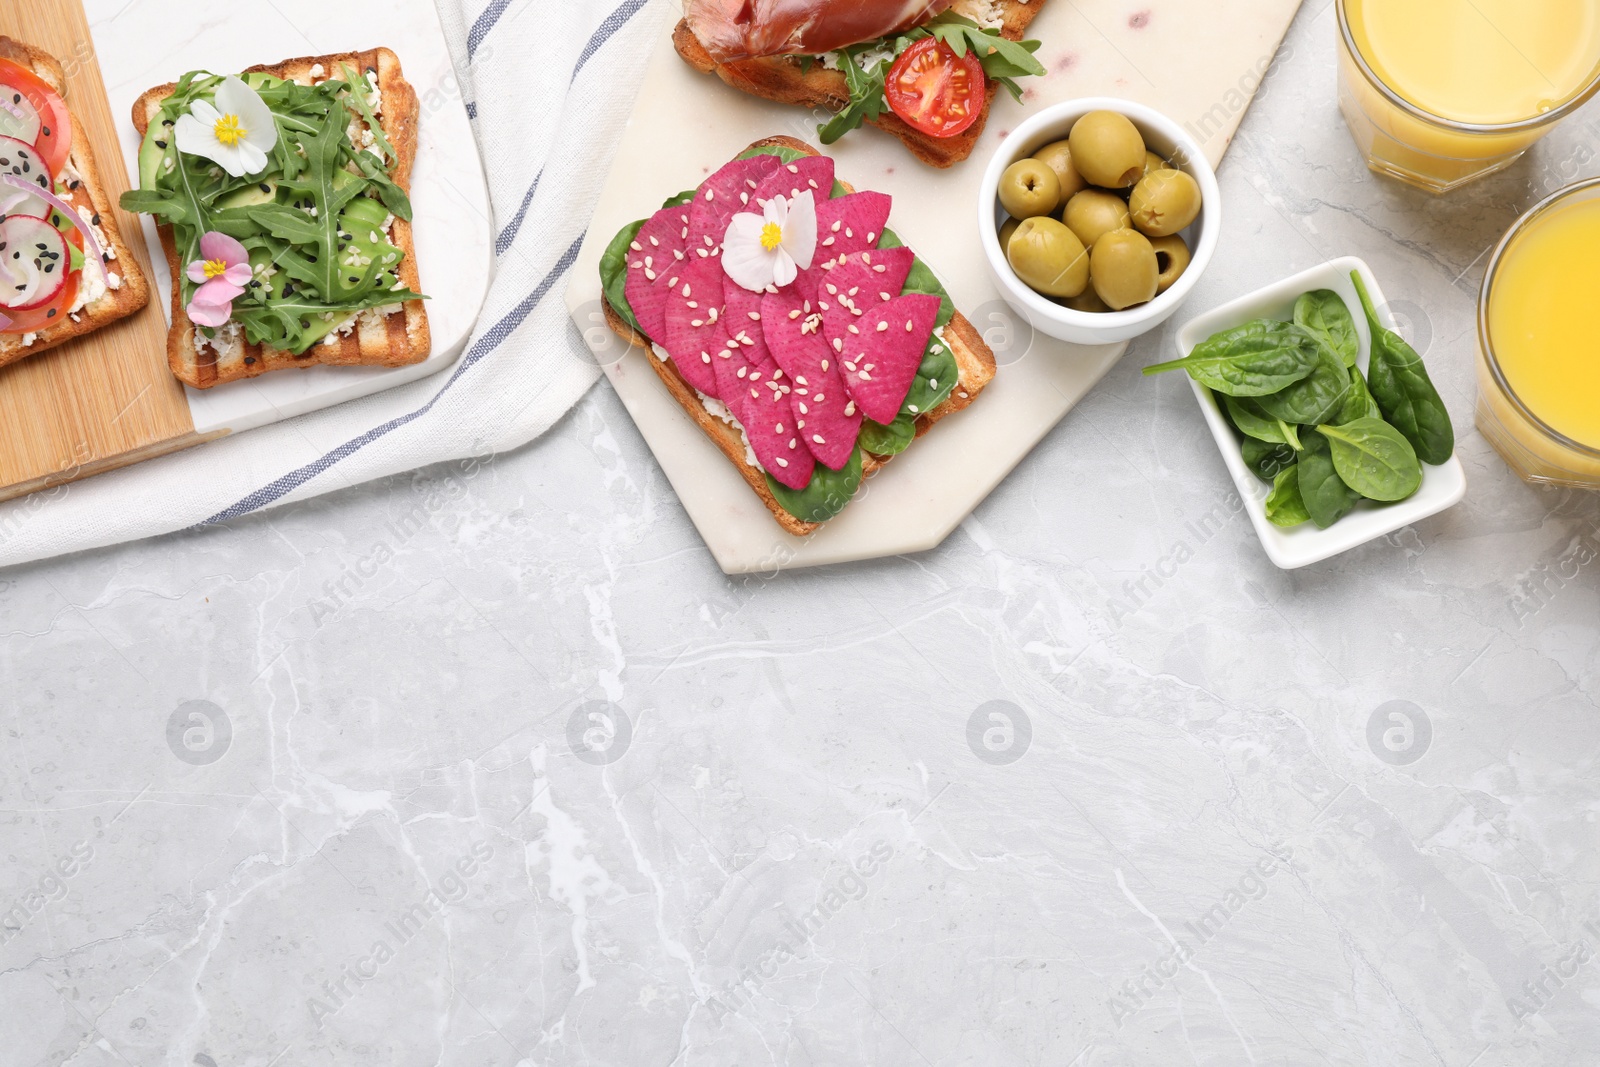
(771, 236)
(229, 132)
(215, 268)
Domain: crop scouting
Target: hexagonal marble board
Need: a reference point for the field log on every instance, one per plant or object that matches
(1197, 69)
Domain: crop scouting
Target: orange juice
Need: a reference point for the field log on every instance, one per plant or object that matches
(1439, 92)
(1539, 373)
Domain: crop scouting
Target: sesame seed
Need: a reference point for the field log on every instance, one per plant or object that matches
(637, 247)
(882, 326)
(817, 437)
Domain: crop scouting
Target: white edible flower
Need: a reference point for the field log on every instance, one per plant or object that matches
(771, 248)
(236, 132)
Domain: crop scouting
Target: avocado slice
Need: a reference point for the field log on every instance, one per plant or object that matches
(249, 196)
(151, 154)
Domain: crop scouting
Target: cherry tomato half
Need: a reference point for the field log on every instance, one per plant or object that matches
(936, 91)
(55, 145)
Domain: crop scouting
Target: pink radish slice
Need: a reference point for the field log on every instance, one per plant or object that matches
(18, 118)
(34, 262)
(19, 160)
(91, 245)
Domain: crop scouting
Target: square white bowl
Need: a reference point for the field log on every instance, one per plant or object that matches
(1442, 487)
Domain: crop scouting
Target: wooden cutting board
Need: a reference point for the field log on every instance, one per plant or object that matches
(106, 399)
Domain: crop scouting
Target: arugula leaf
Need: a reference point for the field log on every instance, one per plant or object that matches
(357, 99)
(867, 100)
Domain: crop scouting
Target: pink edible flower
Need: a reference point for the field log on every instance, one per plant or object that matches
(223, 270)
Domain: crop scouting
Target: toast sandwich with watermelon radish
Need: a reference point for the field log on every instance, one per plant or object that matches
(926, 71)
(64, 269)
(810, 385)
(326, 221)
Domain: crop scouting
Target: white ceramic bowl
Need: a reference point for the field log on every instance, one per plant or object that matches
(1442, 487)
(1161, 135)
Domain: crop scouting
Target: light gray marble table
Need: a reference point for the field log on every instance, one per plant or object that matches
(336, 785)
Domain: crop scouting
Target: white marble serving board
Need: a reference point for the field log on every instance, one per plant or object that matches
(149, 42)
(1200, 64)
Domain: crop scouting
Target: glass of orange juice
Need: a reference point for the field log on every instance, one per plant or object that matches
(1440, 92)
(1539, 356)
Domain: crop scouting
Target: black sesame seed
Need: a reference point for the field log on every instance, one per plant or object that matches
(47, 131)
(265, 188)
(249, 359)
(73, 185)
(50, 314)
(161, 145)
(95, 219)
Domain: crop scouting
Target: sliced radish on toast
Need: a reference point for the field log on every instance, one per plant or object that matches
(694, 323)
(22, 160)
(18, 117)
(858, 284)
(826, 417)
(850, 224)
(34, 262)
(653, 260)
(772, 428)
(880, 361)
(813, 173)
(721, 197)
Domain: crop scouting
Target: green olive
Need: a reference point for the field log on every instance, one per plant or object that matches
(1108, 149)
(1007, 231)
(1123, 268)
(1058, 157)
(1088, 301)
(1172, 259)
(1049, 258)
(1029, 188)
(1094, 213)
(1153, 163)
(1164, 203)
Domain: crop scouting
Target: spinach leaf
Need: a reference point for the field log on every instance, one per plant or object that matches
(1326, 497)
(1256, 359)
(1315, 398)
(1359, 404)
(1325, 314)
(1404, 392)
(1374, 459)
(1284, 504)
(888, 440)
(614, 273)
(1266, 461)
(1251, 421)
(935, 381)
(826, 494)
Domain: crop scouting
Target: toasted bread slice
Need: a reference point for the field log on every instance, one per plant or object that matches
(974, 358)
(782, 79)
(119, 285)
(394, 340)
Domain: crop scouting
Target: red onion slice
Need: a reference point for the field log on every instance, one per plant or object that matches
(67, 210)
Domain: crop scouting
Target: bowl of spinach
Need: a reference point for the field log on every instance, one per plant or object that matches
(1326, 417)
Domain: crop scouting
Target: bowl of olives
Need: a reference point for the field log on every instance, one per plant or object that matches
(1098, 217)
